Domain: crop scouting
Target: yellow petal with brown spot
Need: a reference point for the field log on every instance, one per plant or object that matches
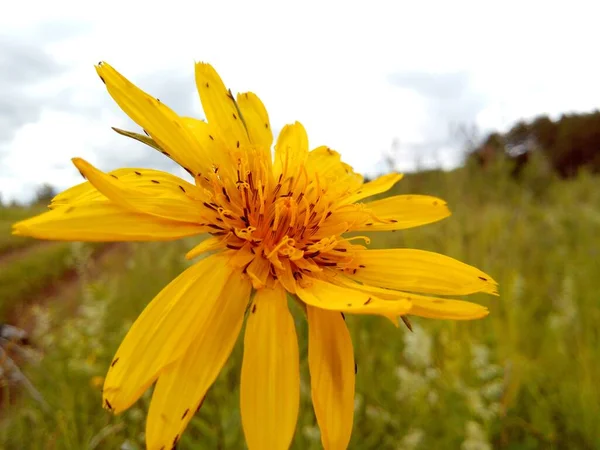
(170, 202)
(134, 177)
(159, 121)
(393, 213)
(420, 271)
(324, 295)
(441, 308)
(103, 222)
(182, 386)
(270, 383)
(164, 331)
(220, 107)
(257, 121)
(379, 185)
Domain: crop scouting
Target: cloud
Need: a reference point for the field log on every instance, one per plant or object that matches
(451, 102)
(450, 98)
(52, 110)
(26, 66)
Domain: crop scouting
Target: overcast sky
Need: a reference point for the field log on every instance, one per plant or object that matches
(358, 75)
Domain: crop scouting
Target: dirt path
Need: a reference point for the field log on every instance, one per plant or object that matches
(66, 288)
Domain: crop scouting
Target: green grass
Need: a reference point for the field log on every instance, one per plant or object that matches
(25, 277)
(523, 378)
(8, 216)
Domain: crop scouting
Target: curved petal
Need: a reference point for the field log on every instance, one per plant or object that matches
(219, 106)
(209, 136)
(158, 120)
(432, 307)
(401, 212)
(270, 385)
(164, 331)
(326, 164)
(182, 386)
(377, 186)
(291, 151)
(331, 364)
(168, 202)
(441, 308)
(420, 271)
(257, 121)
(103, 222)
(133, 177)
(324, 295)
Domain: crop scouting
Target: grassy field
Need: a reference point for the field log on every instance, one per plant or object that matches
(8, 216)
(526, 377)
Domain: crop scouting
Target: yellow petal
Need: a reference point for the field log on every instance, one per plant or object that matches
(170, 201)
(379, 185)
(270, 384)
(420, 271)
(331, 364)
(165, 330)
(133, 177)
(210, 138)
(258, 271)
(406, 211)
(291, 151)
(326, 165)
(438, 308)
(257, 122)
(432, 307)
(103, 222)
(328, 296)
(159, 121)
(182, 386)
(219, 106)
(401, 212)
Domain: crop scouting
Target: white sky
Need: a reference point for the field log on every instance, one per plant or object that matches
(358, 75)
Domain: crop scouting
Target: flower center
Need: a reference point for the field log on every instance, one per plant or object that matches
(280, 227)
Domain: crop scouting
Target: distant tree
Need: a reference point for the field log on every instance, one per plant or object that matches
(44, 193)
(569, 144)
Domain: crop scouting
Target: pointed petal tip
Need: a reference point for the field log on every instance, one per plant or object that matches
(393, 320)
(80, 163)
(111, 402)
(190, 255)
(101, 69)
(202, 67)
(477, 313)
(18, 229)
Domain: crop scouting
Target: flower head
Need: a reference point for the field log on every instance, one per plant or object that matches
(275, 226)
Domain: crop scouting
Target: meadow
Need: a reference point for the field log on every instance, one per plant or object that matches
(525, 377)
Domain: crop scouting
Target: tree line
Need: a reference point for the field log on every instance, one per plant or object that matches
(569, 144)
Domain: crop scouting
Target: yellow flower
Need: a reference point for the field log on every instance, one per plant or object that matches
(276, 224)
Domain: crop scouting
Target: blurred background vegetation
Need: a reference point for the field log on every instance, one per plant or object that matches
(525, 209)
